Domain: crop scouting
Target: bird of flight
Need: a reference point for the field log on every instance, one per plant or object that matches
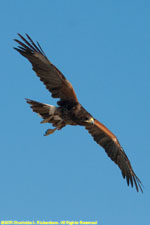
(69, 111)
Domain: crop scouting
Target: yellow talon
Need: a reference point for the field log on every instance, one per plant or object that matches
(50, 131)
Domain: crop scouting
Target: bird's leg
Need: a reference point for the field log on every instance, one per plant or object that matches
(58, 126)
(50, 131)
(46, 120)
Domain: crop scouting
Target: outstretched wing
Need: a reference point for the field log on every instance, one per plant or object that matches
(53, 79)
(109, 142)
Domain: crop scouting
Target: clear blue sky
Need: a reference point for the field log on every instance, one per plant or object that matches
(103, 48)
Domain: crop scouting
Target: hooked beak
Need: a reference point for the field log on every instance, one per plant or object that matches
(91, 120)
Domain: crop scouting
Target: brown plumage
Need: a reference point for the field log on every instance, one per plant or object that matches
(69, 111)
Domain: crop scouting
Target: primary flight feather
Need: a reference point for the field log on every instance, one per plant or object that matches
(69, 111)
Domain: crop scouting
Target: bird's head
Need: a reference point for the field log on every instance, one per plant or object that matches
(83, 116)
(90, 120)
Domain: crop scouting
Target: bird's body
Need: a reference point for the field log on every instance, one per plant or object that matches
(62, 115)
(69, 111)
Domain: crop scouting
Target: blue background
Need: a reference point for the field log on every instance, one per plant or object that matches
(103, 48)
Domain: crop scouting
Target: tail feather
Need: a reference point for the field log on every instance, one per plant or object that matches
(49, 113)
(44, 110)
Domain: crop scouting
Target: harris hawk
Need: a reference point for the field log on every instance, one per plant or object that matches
(69, 111)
